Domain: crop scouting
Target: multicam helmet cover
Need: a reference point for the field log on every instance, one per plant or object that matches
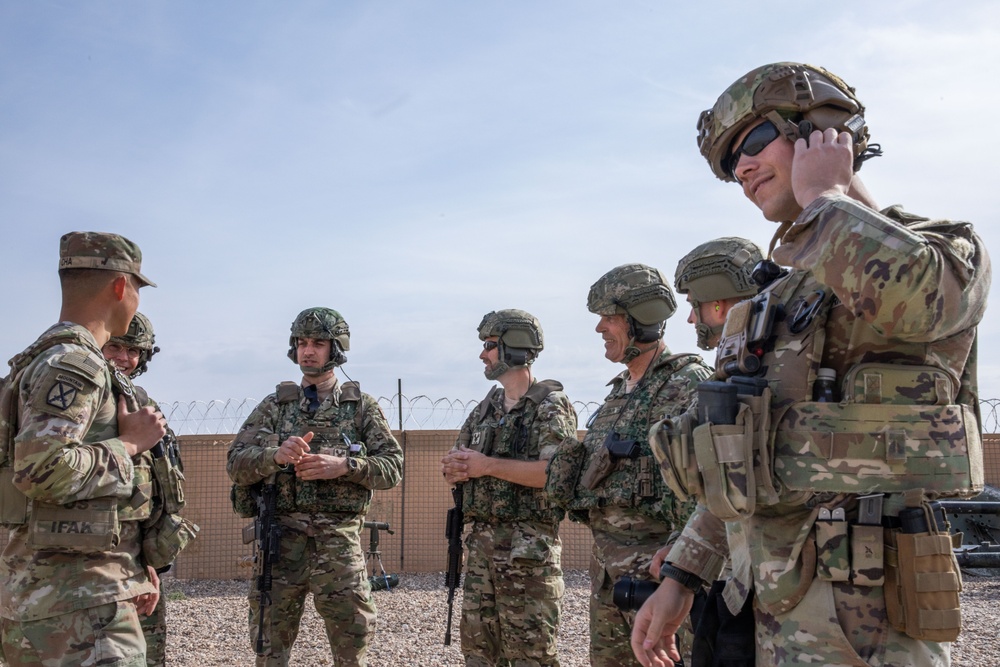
(714, 271)
(785, 93)
(139, 335)
(639, 292)
(520, 336)
(321, 324)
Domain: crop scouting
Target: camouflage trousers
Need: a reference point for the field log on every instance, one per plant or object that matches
(322, 557)
(624, 545)
(154, 629)
(841, 624)
(512, 595)
(104, 636)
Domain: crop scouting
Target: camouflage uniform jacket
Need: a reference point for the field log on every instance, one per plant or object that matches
(906, 290)
(67, 454)
(377, 455)
(531, 431)
(634, 486)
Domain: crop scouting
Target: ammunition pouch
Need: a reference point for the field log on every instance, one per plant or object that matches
(672, 444)
(601, 465)
(170, 480)
(87, 526)
(165, 539)
(923, 582)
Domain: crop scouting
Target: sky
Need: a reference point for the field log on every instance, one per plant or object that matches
(416, 165)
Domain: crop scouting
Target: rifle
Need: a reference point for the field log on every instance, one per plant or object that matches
(453, 575)
(979, 523)
(268, 533)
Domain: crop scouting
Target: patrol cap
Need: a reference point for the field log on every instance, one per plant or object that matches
(101, 250)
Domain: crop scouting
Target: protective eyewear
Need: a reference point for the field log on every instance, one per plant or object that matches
(114, 349)
(490, 345)
(756, 140)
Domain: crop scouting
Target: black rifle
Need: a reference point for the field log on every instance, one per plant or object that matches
(453, 575)
(268, 533)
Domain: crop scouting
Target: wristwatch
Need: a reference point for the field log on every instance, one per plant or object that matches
(352, 465)
(683, 577)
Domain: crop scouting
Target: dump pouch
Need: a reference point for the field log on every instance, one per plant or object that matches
(165, 539)
(923, 581)
(88, 526)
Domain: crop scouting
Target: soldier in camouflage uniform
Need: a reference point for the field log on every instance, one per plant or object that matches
(327, 446)
(513, 578)
(840, 494)
(131, 353)
(73, 583)
(620, 492)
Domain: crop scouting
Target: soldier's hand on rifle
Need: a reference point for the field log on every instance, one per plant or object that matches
(293, 449)
(321, 466)
(139, 430)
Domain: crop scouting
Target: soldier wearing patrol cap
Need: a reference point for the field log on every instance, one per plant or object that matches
(165, 532)
(72, 580)
(326, 446)
(619, 491)
(513, 573)
(847, 556)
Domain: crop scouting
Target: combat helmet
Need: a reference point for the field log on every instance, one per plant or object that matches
(714, 271)
(639, 292)
(139, 335)
(797, 98)
(323, 324)
(520, 337)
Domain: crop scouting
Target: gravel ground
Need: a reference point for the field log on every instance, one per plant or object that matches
(207, 621)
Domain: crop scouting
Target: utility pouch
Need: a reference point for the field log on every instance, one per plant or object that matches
(922, 579)
(673, 446)
(171, 482)
(725, 460)
(832, 554)
(244, 499)
(563, 472)
(13, 503)
(601, 465)
(867, 555)
(89, 526)
(165, 539)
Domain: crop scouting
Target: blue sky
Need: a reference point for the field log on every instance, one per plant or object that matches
(417, 164)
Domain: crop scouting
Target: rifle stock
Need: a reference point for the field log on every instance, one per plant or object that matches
(453, 575)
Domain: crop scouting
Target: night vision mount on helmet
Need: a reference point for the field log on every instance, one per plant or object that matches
(519, 335)
(321, 324)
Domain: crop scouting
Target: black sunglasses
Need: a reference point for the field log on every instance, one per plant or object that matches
(756, 140)
(490, 344)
